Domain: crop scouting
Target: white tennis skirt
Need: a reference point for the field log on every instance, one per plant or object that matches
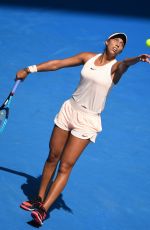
(80, 121)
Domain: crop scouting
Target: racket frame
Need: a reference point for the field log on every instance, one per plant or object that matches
(6, 104)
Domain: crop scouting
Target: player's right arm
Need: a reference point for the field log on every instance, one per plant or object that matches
(76, 60)
(52, 65)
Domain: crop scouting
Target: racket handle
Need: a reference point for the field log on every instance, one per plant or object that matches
(15, 87)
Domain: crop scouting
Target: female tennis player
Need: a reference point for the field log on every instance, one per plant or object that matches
(78, 121)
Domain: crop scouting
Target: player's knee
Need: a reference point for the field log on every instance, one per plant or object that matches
(54, 155)
(65, 167)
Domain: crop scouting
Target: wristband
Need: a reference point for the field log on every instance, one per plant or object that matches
(32, 68)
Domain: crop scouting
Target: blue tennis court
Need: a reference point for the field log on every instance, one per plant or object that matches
(109, 188)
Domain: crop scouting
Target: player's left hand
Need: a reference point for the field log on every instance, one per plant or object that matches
(145, 58)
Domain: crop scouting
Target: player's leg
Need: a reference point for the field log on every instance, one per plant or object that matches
(57, 142)
(71, 153)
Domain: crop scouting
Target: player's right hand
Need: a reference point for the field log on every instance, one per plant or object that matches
(21, 75)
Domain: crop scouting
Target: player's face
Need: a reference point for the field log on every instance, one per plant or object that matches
(115, 46)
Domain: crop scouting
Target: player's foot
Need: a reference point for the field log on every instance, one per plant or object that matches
(31, 204)
(39, 215)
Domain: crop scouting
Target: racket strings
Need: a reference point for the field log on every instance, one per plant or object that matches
(4, 109)
(3, 119)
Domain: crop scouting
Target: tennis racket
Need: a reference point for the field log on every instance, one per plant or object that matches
(4, 109)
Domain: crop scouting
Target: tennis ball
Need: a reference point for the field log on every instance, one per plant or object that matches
(148, 42)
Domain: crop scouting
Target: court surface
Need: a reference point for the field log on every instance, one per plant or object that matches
(109, 188)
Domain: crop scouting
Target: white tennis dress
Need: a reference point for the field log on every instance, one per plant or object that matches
(81, 113)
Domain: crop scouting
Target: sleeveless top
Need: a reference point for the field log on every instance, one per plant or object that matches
(94, 86)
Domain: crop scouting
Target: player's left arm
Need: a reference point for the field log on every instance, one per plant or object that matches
(119, 68)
